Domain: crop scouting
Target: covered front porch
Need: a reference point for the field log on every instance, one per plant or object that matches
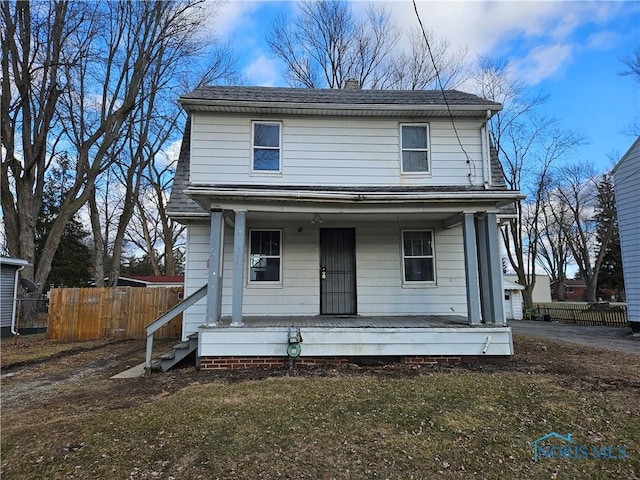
(351, 274)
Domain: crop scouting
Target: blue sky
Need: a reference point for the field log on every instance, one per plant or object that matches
(570, 50)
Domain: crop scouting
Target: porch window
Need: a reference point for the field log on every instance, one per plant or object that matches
(265, 256)
(417, 256)
(414, 141)
(266, 146)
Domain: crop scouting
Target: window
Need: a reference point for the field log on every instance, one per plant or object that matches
(266, 147)
(265, 255)
(414, 141)
(417, 256)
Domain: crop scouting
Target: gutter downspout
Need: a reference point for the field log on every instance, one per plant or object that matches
(486, 153)
(15, 301)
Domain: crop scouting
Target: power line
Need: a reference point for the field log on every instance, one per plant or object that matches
(470, 162)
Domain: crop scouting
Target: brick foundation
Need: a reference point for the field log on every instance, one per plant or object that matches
(223, 363)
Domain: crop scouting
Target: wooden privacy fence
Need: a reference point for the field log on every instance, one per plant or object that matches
(121, 312)
(612, 315)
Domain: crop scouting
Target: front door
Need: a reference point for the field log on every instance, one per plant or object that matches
(338, 271)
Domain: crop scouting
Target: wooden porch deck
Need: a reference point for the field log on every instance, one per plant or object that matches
(356, 321)
(354, 336)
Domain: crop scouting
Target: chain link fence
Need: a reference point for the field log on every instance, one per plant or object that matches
(31, 315)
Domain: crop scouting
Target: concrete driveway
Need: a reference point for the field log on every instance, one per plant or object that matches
(612, 338)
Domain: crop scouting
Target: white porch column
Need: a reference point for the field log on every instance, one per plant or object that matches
(216, 254)
(471, 268)
(483, 268)
(495, 270)
(238, 267)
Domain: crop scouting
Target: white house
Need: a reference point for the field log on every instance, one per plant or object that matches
(626, 178)
(9, 281)
(362, 222)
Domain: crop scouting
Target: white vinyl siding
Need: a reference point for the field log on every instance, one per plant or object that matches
(378, 268)
(326, 152)
(414, 148)
(627, 178)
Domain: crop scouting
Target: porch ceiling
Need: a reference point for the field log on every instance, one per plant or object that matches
(327, 219)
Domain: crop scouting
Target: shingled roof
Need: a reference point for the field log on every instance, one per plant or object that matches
(337, 96)
(181, 205)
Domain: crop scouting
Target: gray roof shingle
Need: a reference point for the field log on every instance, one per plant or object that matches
(336, 96)
(180, 204)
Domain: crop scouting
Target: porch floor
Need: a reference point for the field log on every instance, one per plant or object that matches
(356, 321)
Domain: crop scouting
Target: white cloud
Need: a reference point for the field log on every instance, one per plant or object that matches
(603, 40)
(169, 154)
(526, 33)
(543, 62)
(263, 71)
(230, 15)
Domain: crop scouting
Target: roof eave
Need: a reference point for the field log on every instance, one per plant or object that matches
(199, 105)
(353, 197)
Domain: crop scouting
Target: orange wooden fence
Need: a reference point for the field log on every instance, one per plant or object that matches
(121, 312)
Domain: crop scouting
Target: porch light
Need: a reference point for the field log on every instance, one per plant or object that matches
(317, 219)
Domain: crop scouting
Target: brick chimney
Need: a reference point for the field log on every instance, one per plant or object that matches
(352, 84)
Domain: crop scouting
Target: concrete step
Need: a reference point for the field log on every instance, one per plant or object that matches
(177, 353)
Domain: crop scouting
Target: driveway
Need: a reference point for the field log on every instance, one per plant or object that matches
(612, 338)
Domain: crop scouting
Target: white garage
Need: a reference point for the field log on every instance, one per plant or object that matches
(512, 300)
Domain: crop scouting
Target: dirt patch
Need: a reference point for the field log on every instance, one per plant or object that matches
(80, 373)
(64, 417)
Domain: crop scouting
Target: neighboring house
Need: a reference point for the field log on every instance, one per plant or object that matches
(151, 281)
(360, 217)
(575, 290)
(626, 178)
(541, 290)
(512, 300)
(9, 285)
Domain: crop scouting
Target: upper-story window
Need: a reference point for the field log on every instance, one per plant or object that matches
(414, 141)
(266, 146)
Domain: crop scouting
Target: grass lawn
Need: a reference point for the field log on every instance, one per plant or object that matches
(349, 423)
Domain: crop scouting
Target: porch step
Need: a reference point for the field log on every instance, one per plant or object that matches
(174, 356)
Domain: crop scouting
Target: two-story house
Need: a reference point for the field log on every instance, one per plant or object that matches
(362, 222)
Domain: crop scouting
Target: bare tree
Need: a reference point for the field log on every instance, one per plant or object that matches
(632, 63)
(73, 76)
(528, 146)
(37, 44)
(415, 70)
(553, 251)
(577, 191)
(326, 45)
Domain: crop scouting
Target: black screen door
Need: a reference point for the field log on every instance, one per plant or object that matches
(337, 271)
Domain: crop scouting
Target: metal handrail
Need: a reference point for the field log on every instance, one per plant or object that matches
(169, 315)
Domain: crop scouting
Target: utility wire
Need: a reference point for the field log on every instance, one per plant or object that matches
(470, 162)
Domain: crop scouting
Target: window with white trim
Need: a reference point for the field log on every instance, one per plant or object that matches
(265, 256)
(266, 146)
(414, 146)
(418, 263)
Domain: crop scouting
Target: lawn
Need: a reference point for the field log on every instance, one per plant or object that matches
(395, 421)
